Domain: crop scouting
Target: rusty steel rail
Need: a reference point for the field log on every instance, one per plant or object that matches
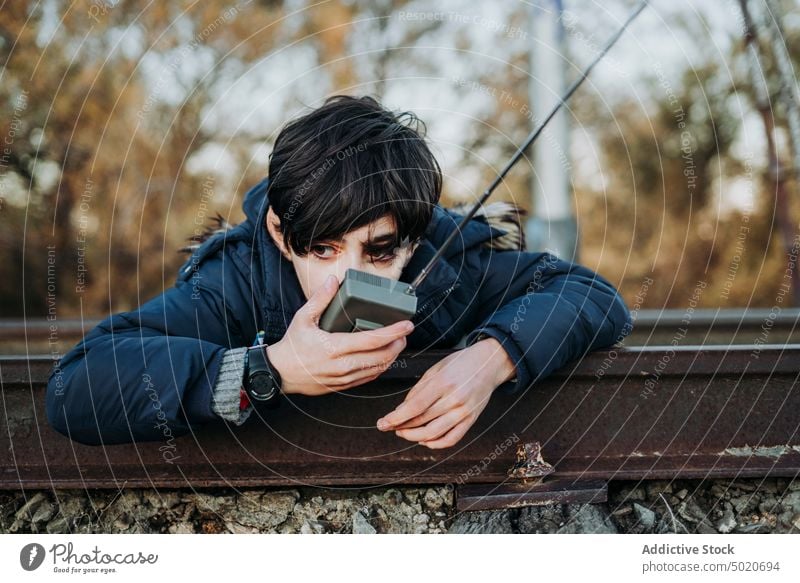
(634, 413)
(715, 326)
(42, 336)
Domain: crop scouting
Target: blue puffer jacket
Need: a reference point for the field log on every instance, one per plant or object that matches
(139, 372)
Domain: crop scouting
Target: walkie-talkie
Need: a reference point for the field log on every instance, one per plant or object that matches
(366, 301)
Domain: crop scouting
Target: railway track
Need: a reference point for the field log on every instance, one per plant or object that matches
(634, 413)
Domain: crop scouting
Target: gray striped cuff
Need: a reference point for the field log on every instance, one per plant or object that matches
(226, 396)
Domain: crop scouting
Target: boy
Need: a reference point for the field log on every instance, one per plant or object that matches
(351, 185)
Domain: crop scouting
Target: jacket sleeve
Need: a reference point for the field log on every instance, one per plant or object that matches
(148, 374)
(545, 312)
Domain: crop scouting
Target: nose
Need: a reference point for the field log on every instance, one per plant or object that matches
(353, 260)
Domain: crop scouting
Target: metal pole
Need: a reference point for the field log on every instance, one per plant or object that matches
(552, 224)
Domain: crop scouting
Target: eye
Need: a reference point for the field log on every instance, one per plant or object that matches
(320, 251)
(387, 256)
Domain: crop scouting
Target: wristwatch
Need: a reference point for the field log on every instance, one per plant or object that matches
(262, 380)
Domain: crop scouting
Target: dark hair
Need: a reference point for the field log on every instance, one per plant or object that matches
(347, 164)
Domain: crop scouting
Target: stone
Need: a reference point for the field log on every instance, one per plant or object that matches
(622, 511)
(482, 522)
(768, 506)
(705, 528)
(448, 494)
(769, 486)
(159, 500)
(208, 503)
(712, 505)
(636, 493)
(236, 528)
(720, 490)
(393, 496)
(420, 528)
(589, 519)
(123, 523)
(181, 528)
(24, 516)
(646, 517)
(43, 513)
(669, 524)
(412, 496)
(361, 525)
(791, 501)
(433, 500)
(262, 510)
(786, 519)
(58, 526)
(753, 528)
(312, 527)
(691, 511)
(741, 503)
(421, 519)
(657, 487)
(727, 523)
(27, 509)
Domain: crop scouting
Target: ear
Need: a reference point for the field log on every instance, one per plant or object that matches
(274, 229)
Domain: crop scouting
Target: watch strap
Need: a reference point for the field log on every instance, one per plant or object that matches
(258, 365)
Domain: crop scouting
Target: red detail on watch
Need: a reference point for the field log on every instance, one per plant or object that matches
(244, 400)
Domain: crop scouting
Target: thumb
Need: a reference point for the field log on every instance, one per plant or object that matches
(321, 297)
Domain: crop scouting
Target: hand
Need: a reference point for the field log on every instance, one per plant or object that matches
(314, 362)
(450, 396)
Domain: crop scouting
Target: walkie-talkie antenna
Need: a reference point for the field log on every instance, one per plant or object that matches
(530, 139)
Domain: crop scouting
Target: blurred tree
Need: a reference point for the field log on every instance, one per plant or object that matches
(664, 211)
(115, 103)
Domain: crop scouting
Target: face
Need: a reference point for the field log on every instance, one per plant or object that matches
(367, 248)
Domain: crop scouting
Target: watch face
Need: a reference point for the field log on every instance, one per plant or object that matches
(262, 386)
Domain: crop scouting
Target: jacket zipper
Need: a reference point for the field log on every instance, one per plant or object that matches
(436, 297)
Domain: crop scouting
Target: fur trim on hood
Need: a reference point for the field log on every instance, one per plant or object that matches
(218, 224)
(506, 216)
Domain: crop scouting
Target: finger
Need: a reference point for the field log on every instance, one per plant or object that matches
(338, 385)
(320, 299)
(351, 342)
(377, 360)
(409, 408)
(351, 369)
(350, 385)
(435, 410)
(452, 437)
(365, 373)
(438, 408)
(436, 428)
